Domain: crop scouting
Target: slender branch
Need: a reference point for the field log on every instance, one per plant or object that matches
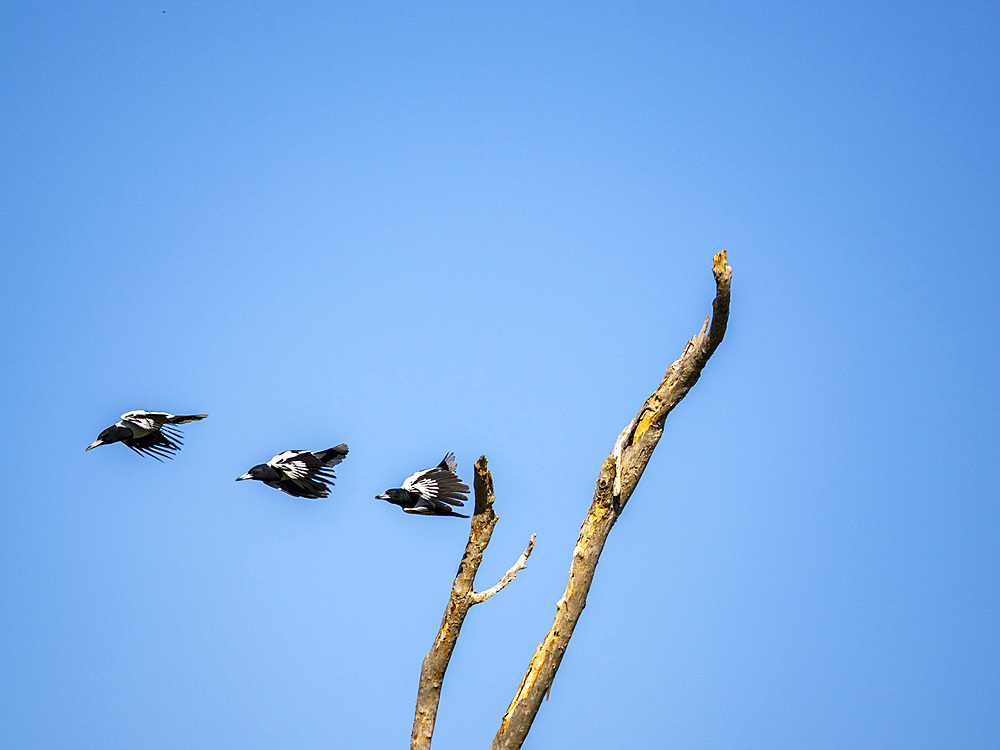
(463, 596)
(521, 564)
(617, 479)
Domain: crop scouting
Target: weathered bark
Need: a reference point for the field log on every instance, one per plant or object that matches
(463, 596)
(618, 478)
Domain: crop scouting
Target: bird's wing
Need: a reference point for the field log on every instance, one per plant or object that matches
(295, 464)
(147, 420)
(437, 485)
(159, 444)
(305, 470)
(301, 488)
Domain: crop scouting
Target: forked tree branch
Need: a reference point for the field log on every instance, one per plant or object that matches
(463, 596)
(618, 478)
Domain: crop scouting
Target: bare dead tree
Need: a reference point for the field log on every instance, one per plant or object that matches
(617, 479)
(463, 596)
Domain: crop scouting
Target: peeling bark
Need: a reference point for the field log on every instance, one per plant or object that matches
(617, 479)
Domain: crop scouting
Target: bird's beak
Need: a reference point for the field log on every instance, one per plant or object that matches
(383, 496)
(95, 444)
(245, 476)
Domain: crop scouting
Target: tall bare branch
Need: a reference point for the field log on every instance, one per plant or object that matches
(463, 596)
(618, 478)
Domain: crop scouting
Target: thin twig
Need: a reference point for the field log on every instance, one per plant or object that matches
(482, 596)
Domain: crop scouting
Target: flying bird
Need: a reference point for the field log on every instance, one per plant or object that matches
(147, 432)
(430, 492)
(300, 473)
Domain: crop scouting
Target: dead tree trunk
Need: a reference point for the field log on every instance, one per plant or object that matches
(617, 480)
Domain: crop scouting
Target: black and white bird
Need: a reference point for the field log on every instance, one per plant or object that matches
(300, 473)
(430, 492)
(147, 432)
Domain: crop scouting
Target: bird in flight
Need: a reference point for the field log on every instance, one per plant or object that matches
(147, 432)
(300, 473)
(430, 492)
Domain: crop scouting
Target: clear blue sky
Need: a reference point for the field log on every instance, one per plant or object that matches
(488, 228)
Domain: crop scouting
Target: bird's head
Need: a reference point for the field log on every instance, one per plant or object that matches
(111, 435)
(263, 472)
(396, 497)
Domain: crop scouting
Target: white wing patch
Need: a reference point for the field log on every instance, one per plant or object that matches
(291, 464)
(147, 420)
(427, 488)
(143, 419)
(420, 483)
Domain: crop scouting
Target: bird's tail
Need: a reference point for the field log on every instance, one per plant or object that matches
(176, 419)
(449, 463)
(333, 456)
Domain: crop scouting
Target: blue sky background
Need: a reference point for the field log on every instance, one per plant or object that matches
(489, 228)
